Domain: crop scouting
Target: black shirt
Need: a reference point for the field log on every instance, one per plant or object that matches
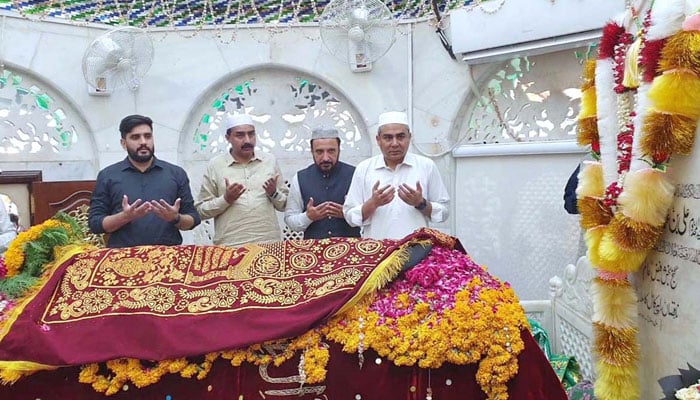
(161, 180)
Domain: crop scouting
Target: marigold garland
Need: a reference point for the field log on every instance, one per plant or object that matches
(410, 323)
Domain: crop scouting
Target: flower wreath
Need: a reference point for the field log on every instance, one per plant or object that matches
(640, 105)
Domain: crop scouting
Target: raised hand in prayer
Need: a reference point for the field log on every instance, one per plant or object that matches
(270, 186)
(323, 210)
(135, 210)
(165, 211)
(233, 191)
(412, 197)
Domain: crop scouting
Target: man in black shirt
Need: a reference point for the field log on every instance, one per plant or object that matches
(141, 200)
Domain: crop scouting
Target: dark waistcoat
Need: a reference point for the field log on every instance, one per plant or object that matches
(322, 187)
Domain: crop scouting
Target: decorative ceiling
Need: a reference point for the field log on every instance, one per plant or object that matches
(200, 13)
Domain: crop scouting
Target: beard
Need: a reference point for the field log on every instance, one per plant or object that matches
(325, 166)
(139, 158)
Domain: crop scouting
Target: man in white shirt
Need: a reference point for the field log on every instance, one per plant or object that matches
(397, 192)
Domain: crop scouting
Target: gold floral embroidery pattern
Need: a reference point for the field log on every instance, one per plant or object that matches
(303, 261)
(333, 282)
(175, 280)
(336, 251)
(368, 247)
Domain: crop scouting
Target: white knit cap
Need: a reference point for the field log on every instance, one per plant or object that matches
(324, 133)
(393, 117)
(237, 120)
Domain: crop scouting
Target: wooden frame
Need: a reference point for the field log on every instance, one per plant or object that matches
(22, 178)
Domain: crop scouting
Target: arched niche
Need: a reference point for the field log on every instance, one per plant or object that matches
(40, 129)
(286, 105)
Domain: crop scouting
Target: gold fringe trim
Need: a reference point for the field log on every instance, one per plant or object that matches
(616, 346)
(593, 212)
(616, 383)
(587, 130)
(681, 50)
(12, 371)
(632, 235)
(386, 271)
(668, 134)
(616, 303)
(676, 92)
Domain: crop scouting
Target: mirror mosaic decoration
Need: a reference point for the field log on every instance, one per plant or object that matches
(199, 13)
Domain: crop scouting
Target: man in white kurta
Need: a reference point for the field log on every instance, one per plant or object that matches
(397, 192)
(240, 190)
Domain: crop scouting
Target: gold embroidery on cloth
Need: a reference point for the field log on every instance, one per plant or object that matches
(167, 281)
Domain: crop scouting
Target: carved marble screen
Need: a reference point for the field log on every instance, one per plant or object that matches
(285, 105)
(41, 129)
(509, 199)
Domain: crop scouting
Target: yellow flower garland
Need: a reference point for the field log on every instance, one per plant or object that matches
(14, 257)
(485, 331)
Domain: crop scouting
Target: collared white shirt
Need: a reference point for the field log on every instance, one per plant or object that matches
(251, 218)
(396, 219)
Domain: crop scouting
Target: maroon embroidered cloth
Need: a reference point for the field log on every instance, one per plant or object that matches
(161, 302)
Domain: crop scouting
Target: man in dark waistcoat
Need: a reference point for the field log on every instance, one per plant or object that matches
(317, 192)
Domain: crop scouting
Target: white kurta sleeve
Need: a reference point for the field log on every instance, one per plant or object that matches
(352, 208)
(294, 215)
(438, 196)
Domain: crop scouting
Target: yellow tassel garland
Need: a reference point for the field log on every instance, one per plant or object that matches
(593, 212)
(588, 74)
(616, 383)
(587, 131)
(668, 134)
(631, 235)
(590, 181)
(647, 196)
(676, 92)
(614, 259)
(616, 346)
(681, 50)
(616, 303)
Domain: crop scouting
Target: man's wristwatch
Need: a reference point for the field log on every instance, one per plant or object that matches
(176, 220)
(422, 205)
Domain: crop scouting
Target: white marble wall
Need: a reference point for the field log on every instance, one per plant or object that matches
(416, 75)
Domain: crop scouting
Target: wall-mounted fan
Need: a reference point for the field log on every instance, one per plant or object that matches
(357, 32)
(120, 57)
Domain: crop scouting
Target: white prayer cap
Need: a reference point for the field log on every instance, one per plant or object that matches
(237, 120)
(393, 117)
(324, 133)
